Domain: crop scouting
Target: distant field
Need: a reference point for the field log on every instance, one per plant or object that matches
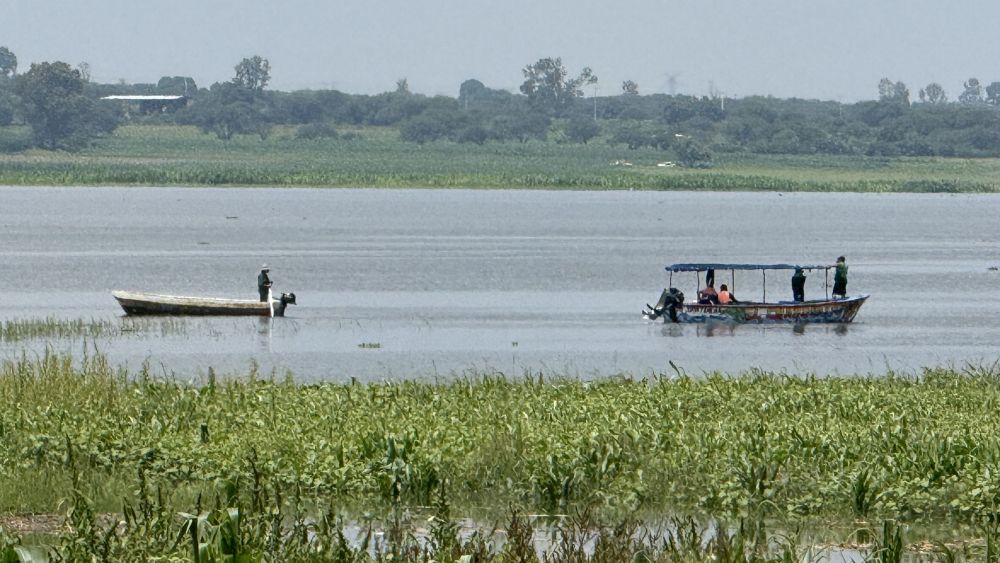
(150, 155)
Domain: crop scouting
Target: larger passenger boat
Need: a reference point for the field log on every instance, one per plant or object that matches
(672, 307)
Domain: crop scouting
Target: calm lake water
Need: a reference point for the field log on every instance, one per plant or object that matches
(439, 283)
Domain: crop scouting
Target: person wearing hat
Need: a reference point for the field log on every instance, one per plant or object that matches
(264, 283)
(799, 285)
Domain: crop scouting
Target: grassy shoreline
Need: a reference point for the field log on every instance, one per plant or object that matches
(916, 448)
(159, 155)
(759, 449)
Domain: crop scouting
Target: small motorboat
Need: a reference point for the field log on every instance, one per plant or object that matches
(672, 308)
(136, 303)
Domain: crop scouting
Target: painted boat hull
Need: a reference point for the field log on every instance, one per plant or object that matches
(820, 311)
(135, 303)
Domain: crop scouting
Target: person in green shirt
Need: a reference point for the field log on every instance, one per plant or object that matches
(840, 278)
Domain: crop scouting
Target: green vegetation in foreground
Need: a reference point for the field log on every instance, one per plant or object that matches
(754, 448)
(152, 155)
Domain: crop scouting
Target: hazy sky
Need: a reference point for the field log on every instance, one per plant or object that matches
(836, 50)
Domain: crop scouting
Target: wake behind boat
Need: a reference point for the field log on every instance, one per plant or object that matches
(136, 303)
(672, 307)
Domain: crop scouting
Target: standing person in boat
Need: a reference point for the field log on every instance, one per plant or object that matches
(264, 283)
(799, 285)
(840, 278)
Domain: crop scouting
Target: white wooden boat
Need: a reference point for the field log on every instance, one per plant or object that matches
(136, 303)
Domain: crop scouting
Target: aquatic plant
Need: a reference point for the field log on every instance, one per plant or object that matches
(758, 448)
(160, 155)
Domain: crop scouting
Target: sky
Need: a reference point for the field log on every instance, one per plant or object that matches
(815, 49)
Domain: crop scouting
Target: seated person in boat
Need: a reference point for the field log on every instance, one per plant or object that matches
(725, 297)
(708, 296)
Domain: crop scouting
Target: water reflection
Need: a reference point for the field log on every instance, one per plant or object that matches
(264, 325)
(719, 328)
(712, 328)
(672, 329)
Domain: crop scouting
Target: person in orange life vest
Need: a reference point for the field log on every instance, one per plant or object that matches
(724, 296)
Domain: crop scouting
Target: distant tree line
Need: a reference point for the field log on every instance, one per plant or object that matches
(63, 108)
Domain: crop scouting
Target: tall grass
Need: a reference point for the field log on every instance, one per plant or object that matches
(280, 461)
(758, 446)
(373, 157)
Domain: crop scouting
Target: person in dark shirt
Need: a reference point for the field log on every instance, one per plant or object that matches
(840, 278)
(799, 285)
(708, 295)
(264, 283)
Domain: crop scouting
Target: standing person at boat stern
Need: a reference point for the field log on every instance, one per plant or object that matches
(840, 278)
(799, 285)
(264, 283)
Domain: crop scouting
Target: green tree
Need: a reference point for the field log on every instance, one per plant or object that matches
(84, 68)
(429, 126)
(993, 93)
(630, 88)
(253, 73)
(973, 93)
(177, 85)
(933, 94)
(889, 91)
(54, 106)
(582, 129)
(692, 155)
(6, 108)
(471, 91)
(549, 87)
(474, 95)
(8, 62)
(228, 110)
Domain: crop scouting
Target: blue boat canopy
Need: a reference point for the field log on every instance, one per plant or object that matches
(705, 267)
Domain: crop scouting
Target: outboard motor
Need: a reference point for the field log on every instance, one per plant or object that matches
(286, 299)
(671, 301)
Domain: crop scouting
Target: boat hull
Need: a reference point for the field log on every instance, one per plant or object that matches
(820, 311)
(153, 304)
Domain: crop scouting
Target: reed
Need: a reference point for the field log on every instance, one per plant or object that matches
(759, 448)
(158, 155)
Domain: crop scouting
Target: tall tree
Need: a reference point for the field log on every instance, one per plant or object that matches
(549, 87)
(973, 93)
(8, 62)
(55, 108)
(253, 73)
(630, 88)
(84, 68)
(889, 91)
(229, 109)
(933, 93)
(993, 93)
(180, 85)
